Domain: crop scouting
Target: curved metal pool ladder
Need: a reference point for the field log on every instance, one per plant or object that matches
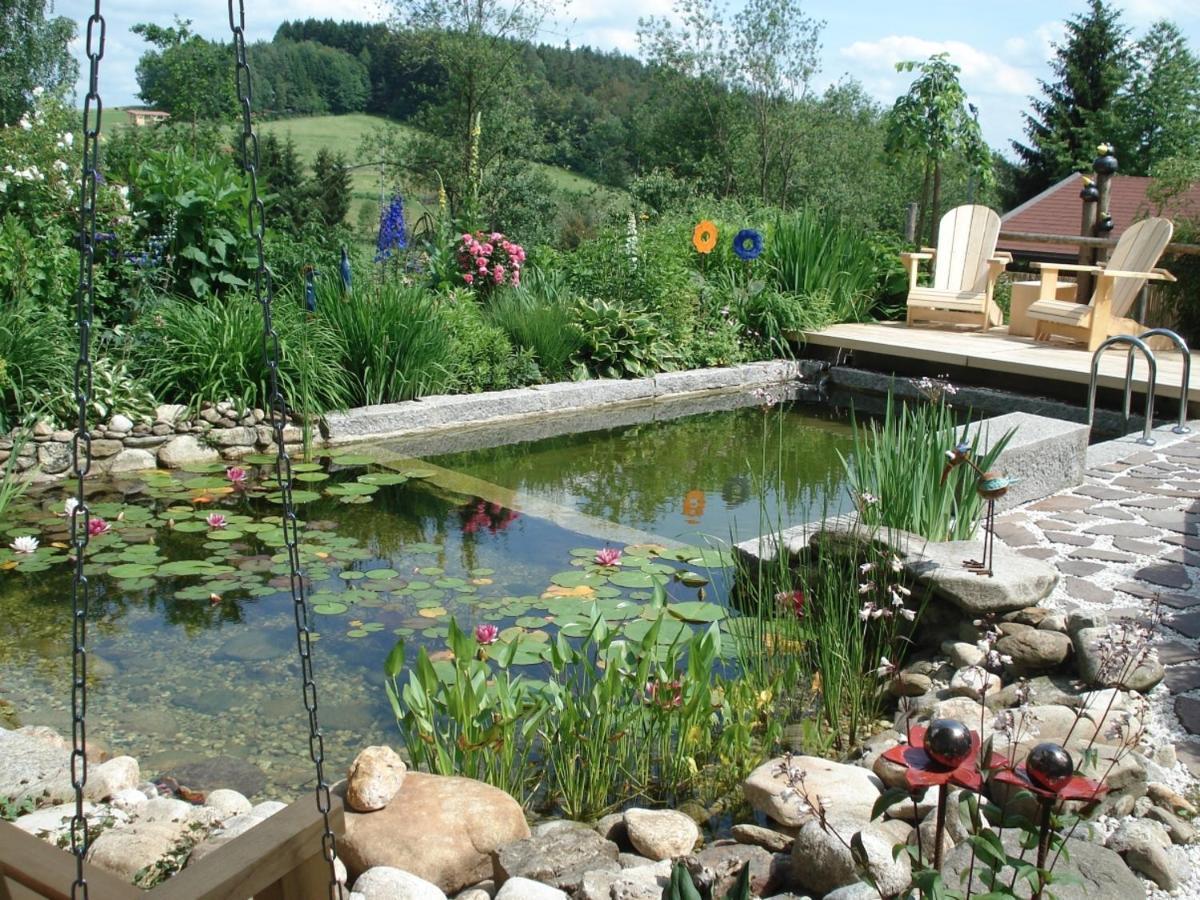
(1180, 425)
(1134, 343)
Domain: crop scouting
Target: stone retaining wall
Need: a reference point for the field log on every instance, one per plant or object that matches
(222, 432)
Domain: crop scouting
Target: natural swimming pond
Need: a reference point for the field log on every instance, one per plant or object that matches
(191, 633)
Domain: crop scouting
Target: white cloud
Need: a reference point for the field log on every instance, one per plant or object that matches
(1144, 11)
(979, 68)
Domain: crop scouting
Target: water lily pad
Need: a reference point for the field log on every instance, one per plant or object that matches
(357, 633)
(449, 582)
(192, 526)
(382, 574)
(330, 608)
(297, 497)
(132, 570)
(697, 611)
(422, 547)
(636, 579)
(383, 478)
(311, 477)
(576, 579)
(672, 631)
(350, 489)
(691, 579)
(712, 559)
(225, 534)
(431, 571)
(433, 612)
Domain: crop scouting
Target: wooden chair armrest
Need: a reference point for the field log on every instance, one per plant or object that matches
(1000, 261)
(916, 256)
(1002, 254)
(1067, 267)
(1154, 275)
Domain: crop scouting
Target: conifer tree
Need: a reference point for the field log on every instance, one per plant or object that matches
(1160, 108)
(1078, 110)
(330, 188)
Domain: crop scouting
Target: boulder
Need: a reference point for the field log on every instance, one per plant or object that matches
(1018, 581)
(34, 768)
(374, 778)
(1145, 846)
(132, 460)
(1035, 651)
(527, 889)
(661, 833)
(1101, 872)
(974, 682)
(820, 861)
(716, 868)
(388, 883)
(110, 778)
(133, 847)
(558, 856)
(891, 873)
(757, 836)
(440, 828)
(227, 803)
(1090, 651)
(848, 791)
(183, 449)
(638, 883)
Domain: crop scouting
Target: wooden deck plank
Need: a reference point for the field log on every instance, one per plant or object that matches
(995, 351)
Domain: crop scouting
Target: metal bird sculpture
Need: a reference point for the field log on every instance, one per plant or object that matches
(310, 289)
(345, 271)
(990, 486)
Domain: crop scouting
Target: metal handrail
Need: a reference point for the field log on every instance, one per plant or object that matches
(1151, 363)
(1180, 426)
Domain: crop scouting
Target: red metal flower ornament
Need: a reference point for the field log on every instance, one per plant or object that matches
(1047, 773)
(953, 764)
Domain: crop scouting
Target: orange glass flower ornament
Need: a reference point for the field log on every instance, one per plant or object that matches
(704, 237)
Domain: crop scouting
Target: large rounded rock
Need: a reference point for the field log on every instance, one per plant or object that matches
(891, 873)
(374, 778)
(1034, 651)
(1145, 846)
(1102, 874)
(108, 779)
(183, 449)
(527, 889)
(849, 791)
(558, 854)
(820, 861)
(387, 883)
(1018, 581)
(716, 868)
(132, 460)
(661, 833)
(133, 847)
(440, 828)
(1100, 667)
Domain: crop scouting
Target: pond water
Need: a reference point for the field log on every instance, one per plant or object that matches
(191, 626)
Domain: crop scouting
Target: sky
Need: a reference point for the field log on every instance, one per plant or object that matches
(1003, 49)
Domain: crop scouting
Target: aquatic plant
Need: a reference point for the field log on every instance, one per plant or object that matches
(487, 633)
(609, 556)
(895, 469)
(24, 544)
(98, 527)
(216, 521)
(617, 717)
(237, 475)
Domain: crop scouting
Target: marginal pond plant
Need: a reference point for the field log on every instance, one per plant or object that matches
(644, 714)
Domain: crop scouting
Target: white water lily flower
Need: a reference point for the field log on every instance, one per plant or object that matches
(70, 506)
(24, 544)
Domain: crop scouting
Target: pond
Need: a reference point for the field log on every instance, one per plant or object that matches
(193, 653)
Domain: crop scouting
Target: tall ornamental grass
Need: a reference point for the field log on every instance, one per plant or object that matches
(536, 317)
(824, 262)
(895, 471)
(393, 341)
(195, 351)
(35, 357)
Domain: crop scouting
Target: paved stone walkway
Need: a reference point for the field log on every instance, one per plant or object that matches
(1128, 534)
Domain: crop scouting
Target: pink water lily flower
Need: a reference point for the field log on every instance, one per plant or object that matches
(237, 475)
(609, 556)
(216, 520)
(487, 633)
(97, 526)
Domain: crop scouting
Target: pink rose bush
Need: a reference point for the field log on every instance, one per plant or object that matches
(488, 261)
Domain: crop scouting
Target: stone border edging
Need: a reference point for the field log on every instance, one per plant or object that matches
(444, 411)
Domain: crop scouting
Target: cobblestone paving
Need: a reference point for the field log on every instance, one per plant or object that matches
(1128, 534)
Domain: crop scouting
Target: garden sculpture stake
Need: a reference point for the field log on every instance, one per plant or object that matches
(991, 486)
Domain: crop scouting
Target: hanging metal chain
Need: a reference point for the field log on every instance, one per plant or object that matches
(81, 446)
(264, 292)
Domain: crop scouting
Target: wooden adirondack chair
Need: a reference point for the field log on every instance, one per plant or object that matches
(1117, 286)
(965, 268)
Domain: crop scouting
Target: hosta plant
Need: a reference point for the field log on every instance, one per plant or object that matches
(618, 343)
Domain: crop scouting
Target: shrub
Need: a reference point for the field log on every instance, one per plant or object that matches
(192, 352)
(537, 318)
(481, 356)
(393, 340)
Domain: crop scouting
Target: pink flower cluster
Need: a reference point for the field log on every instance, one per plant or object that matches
(489, 260)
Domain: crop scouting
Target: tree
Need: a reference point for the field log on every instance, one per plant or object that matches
(330, 188)
(935, 122)
(34, 53)
(1078, 110)
(481, 115)
(188, 76)
(723, 71)
(1160, 107)
(282, 174)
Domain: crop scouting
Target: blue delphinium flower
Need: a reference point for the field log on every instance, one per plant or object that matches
(392, 236)
(748, 244)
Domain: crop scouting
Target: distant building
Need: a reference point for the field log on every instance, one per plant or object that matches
(146, 116)
(1057, 210)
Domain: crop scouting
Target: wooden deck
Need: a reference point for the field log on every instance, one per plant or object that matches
(994, 353)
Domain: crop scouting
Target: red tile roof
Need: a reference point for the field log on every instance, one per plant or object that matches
(1058, 209)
